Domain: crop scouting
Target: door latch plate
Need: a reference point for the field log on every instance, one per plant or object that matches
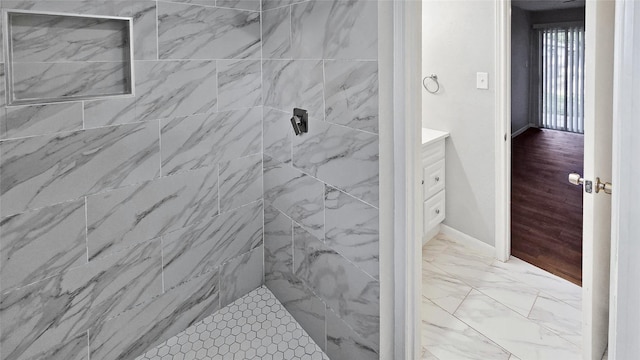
(588, 186)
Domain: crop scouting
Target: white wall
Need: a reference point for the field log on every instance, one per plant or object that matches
(520, 67)
(459, 40)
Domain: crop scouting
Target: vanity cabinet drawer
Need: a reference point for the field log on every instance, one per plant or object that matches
(433, 176)
(432, 153)
(434, 211)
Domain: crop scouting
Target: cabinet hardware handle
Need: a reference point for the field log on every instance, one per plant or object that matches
(437, 211)
(437, 178)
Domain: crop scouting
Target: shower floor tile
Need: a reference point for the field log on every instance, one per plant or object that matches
(255, 326)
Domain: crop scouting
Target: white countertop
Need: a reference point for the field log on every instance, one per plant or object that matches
(429, 135)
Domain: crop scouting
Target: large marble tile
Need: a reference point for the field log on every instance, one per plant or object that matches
(42, 243)
(558, 316)
(45, 170)
(277, 134)
(304, 306)
(351, 94)
(427, 355)
(199, 32)
(21, 121)
(134, 332)
(200, 248)
(3, 94)
(432, 249)
(297, 195)
(294, 83)
(38, 318)
(518, 335)
(253, 5)
(443, 289)
(99, 113)
(278, 243)
(205, 140)
(446, 337)
(341, 157)
(463, 263)
(119, 218)
(60, 80)
(196, 2)
(84, 7)
(335, 30)
(272, 4)
(167, 89)
(240, 182)
(239, 84)
(351, 229)
(48, 38)
(344, 343)
(472, 268)
(71, 348)
(276, 33)
(240, 275)
(145, 29)
(537, 278)
(350, 292)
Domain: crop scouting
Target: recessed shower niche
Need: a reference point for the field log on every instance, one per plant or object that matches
(53, 57)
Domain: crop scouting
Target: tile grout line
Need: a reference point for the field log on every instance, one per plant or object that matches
(533, 305)
(463, 299)
(306, 228)
(303, 172)
(157, 23)
(507, 307)
(88, 346)
(86, 226)
(473, 287)
(473, 328)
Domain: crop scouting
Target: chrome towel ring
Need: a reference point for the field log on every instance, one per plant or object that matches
(434, 78)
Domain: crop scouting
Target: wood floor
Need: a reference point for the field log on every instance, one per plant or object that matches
(546, 211)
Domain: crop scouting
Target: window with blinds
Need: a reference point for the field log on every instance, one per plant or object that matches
(561, 73)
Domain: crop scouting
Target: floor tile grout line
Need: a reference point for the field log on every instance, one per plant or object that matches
(504, 275)
(538, 291)
(474, 329)
(514, 312)
(463, 299)
(498, 301)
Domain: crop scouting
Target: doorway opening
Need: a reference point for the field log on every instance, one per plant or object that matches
(547, 124)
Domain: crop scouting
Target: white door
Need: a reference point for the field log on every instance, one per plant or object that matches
(599, 25)
(624, 328)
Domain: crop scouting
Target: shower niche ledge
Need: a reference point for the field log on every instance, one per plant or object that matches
(55, 57)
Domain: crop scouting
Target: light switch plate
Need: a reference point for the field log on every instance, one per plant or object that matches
(482, 80)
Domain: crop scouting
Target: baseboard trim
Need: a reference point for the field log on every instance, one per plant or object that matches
(521, 130)
(469, 240)
(431, 234)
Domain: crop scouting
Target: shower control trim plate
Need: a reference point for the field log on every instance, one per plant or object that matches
(300, 121)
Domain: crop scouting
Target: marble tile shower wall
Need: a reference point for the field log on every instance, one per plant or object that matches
(124, 221)
(321, 188)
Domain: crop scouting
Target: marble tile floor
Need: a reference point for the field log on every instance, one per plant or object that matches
(255, 326)
(475, 307)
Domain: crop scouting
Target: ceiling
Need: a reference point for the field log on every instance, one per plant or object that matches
(539, 5)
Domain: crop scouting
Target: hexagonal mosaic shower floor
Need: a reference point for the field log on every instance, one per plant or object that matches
(255, 326)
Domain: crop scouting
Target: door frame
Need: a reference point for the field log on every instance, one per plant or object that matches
(399, 164)
(503, 138)
(624, 294)
(503, 130)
